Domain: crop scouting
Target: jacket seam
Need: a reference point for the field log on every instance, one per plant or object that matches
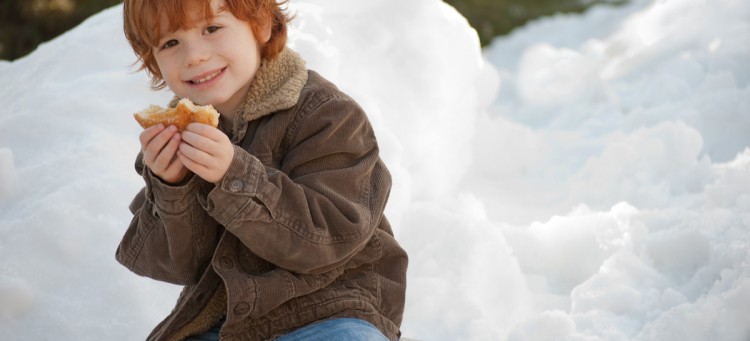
(198, 244)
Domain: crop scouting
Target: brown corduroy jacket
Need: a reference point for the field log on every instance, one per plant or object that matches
(295, 231)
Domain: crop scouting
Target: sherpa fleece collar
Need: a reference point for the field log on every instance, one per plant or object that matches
(276, 86)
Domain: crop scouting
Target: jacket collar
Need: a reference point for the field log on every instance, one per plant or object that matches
(276, 86)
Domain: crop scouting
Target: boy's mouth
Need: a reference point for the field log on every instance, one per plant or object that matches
(200, 79)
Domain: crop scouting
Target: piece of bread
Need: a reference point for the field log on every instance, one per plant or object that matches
(180, 116)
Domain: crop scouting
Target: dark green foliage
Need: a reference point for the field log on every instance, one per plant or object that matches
(492, 18)
(24, 24)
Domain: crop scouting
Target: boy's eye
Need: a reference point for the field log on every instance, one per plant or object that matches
(169, 43)
(212, 29)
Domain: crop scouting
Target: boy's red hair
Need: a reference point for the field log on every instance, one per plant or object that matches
(142, 27)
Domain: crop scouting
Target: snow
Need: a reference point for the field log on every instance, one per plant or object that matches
(585, 178)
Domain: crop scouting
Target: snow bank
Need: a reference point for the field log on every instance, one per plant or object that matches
(622, 135)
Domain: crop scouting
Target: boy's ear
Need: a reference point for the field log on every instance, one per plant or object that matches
(265, 32)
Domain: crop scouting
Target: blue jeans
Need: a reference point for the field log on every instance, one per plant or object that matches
(328, 330)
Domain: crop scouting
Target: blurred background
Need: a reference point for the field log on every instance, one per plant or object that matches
(24, 24)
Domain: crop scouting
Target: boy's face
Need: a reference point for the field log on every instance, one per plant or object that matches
(213, 62)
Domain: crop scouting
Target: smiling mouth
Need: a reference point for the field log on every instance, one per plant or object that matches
(206, 78)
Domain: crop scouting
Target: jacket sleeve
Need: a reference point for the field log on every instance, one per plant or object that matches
(325, 202)
(170, 238)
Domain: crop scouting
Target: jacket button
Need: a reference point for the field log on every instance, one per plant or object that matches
(226, 262)
(235, 186)
(241, 308)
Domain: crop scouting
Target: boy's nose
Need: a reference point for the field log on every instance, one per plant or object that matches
(195, 54)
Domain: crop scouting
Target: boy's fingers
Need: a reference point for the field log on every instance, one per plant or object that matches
(206, 131)
(158, 142)
(198, 141)
(195, 167)
(149, 133)
(194, 154)
(166, 155)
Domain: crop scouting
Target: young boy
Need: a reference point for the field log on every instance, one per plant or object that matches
(273, 222)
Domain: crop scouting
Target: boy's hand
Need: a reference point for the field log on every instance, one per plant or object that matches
(159, 146)
(206, 151)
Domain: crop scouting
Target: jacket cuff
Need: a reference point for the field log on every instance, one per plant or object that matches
(170, 198)
(238, 187)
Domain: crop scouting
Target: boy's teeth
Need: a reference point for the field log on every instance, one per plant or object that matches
(207, 78)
